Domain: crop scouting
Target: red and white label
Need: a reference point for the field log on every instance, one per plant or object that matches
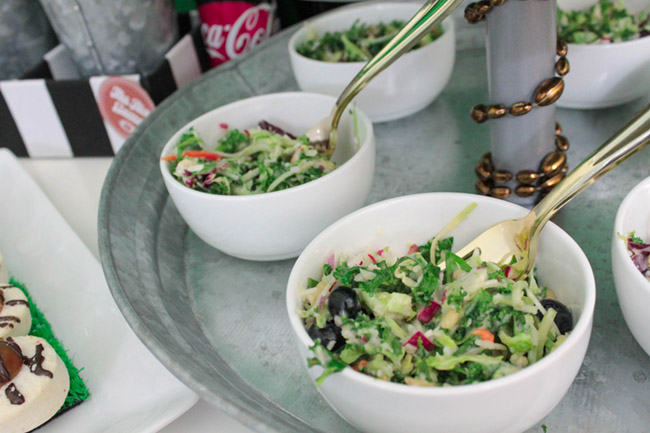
(231, 29)
(123, 104)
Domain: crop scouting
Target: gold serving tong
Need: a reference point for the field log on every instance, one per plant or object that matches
(323, 134)
(518, 239)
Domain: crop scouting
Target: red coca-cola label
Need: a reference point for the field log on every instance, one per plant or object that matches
(230, 29)
(123, 104)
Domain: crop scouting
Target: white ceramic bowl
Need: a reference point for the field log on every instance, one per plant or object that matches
(632, 288)
(279, 224)
(509, 404)
(407, 86)
(606, 75)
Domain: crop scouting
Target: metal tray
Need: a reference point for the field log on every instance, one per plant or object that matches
(219, 323)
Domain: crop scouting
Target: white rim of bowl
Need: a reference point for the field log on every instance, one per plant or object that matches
(579, 328)
(610, 46)
(448, 29)
(618, 228)
(364, 147)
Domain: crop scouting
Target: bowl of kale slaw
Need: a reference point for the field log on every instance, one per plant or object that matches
(630, 261)
(248, 183)
(257, 160)
(609, 53)
(509, 402)
(344, 40)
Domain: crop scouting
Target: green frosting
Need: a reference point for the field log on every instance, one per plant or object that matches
(41, 328)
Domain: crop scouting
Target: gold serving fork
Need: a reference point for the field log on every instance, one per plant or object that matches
(517, 239)
(323, 134)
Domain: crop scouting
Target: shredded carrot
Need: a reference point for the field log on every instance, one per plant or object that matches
(195, 154)
(484, 334)
(360, 365)
(202, 154)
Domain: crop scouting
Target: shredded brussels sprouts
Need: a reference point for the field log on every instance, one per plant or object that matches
(359, 43)
(605, 22)
(404, 320)
(245, 162)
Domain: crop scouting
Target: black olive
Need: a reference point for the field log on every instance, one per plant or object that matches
(343, 301)
(330, 334)
(563, 319)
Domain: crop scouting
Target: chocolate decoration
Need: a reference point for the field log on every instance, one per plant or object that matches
(14, 396)
(14, 345)
(35, 363)
(6, 324)
(17, 302)
(2, 299)
(9, 319)
(11, 361)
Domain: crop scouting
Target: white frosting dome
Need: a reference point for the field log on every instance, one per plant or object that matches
(43, 395)
(15, 317)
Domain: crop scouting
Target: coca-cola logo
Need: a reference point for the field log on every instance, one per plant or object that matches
(231, 29)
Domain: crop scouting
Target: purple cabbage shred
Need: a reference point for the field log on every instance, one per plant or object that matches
(274, 129)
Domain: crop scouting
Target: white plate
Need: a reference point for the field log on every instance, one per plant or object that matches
(130, 390)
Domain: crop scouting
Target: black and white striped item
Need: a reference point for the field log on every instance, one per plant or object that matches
(61, 118)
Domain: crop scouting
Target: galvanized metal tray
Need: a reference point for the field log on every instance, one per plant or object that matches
(219, 323)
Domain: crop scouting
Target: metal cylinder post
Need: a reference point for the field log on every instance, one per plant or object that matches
(521, 44)
(528, 152)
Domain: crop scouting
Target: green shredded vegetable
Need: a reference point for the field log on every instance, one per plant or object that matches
(359, 43)
(605, 22)
(247, 162)
(416, 325)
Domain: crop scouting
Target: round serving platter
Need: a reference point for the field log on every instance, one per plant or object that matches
(219, 323)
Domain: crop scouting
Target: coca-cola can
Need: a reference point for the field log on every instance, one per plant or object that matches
(231, 28)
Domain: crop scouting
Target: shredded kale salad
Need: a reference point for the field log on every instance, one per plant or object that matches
(639, 252)
(605, 22)
(359, 43)
(252, 161)
(403, 320)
